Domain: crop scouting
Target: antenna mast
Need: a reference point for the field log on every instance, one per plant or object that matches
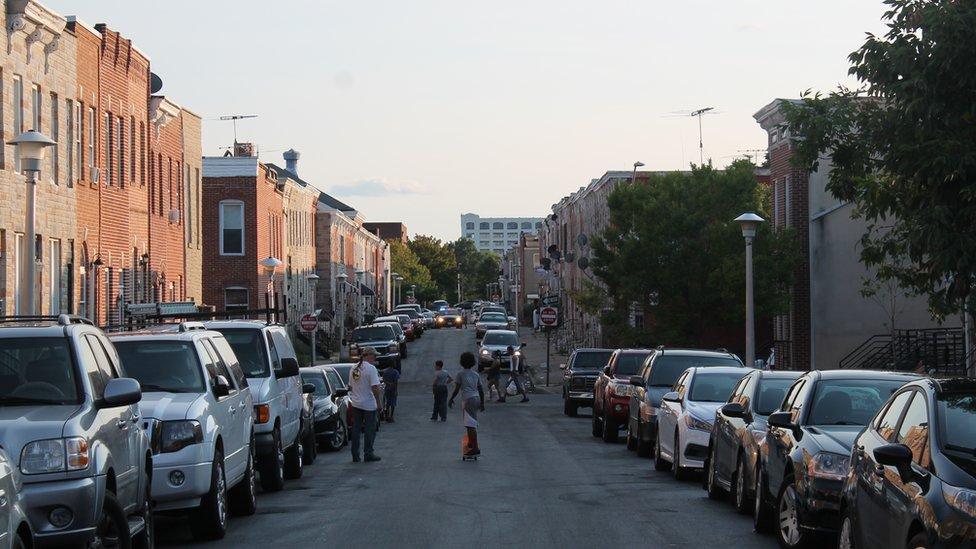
(235, 118)
(701, 144)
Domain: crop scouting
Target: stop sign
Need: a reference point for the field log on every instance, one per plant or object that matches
(308, 323)
(548, 316)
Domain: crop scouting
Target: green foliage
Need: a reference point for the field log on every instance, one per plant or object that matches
(433, 266)
(477, 268)
(440, 263)
(406, 263)
(673, 249)
(901, 147)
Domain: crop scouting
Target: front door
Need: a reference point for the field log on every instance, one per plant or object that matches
(900, 494)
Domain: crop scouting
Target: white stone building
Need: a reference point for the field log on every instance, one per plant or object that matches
(497, 234)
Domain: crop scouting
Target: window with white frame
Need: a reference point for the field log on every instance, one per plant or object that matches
(787, 205)
(54, 277)
(109, 164)
(235, 299)
(232, 227)
(121, 140)
(69, 111)
(56, 136)
(91, 137)
(35, 108)
(18, 100)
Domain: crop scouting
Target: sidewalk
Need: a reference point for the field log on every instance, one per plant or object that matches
(535, 357)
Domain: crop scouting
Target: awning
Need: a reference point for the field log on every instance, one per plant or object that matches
(366, 290)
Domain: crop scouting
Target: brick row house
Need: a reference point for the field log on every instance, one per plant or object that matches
(113, 200)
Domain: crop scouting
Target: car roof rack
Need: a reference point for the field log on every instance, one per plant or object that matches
(191, 326)
(62, 319)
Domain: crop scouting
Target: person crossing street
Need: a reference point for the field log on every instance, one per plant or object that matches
(516, 371)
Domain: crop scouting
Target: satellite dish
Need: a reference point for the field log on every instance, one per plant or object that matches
(155, 83)
(546, 263)
(556, 254)
(583, 263)
(552, 249)
(570, 256)
(581, 239)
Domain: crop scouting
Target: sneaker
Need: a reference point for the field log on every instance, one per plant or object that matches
(443, 419)
(355, 459)
(371, 458)
(433, 419)
(525, 399)
(500, 400)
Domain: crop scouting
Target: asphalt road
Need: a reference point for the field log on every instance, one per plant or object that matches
(542, 481)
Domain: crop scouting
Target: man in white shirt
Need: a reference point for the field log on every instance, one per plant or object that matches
(364, 398)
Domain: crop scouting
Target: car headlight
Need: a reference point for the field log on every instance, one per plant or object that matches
(621, 389)
(829, 465)
(697, 424)
(54, 455)
(485, 352)
(177, 435)
(960, 499)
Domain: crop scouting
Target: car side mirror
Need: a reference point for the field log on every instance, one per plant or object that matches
(524, 344)
(289, 367)
(606, 370)
(637, 381)
(339, 393)
(562, 366)
(782, 420)
(671, 396)
(221, 387)
(734, 409)
(898, 456)
(308, 388)
(121, 391)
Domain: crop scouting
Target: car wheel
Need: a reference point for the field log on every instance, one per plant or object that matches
(244, 496)
(919, 541)
(711, 483)
(609, 430)
(679, 472)
(293, 460)
(788, 531)
(309, 447)
(339, 437)
(404, 353)
(631, 441)
(146, 539)
(19, 542)
(761, 515)
(643, 447)
(112, 528)
(741, 491)
(569, 408)
(597, 429)
(845, 539)
(273, 469)
(660, 464)
(210, 519)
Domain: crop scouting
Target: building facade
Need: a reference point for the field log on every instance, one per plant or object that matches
(388, 230)
(497, 234)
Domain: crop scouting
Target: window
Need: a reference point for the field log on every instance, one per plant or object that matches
(109, 165)
(469, 225)
(54, 277)
(484, 226)
(232, 228)
(275, 358)
(18, 112)
(121, 139)
(35, 108)
(132, 149)
(91, 137)
(96, 377)
(885, 425)
(526, 225)
(233, 366)
(83, 297)
(512, 225)
(786, 206)
(70, 112)
(914, 430)
(497, 225)
(56, 136)
(235, 299)
(18, 271)
(538, 225)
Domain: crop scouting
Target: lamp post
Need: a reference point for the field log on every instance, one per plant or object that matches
(393, 296)
(341, 298)
(270, 265)
(29, 150)
(633, 178)
(399, 289)
(313, 280)
(750, 224)
(361, 299)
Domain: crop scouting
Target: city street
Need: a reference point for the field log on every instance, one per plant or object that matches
(542, 481)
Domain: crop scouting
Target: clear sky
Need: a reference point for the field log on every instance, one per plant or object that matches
(420, 110)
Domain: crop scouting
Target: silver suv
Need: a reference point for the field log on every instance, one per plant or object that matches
(271, 368)
(196, 396)
(70, 420)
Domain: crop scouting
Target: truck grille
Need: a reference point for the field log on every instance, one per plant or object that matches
(583, 383)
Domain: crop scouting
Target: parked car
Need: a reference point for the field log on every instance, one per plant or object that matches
(331, 405)
(70, 417)
(739, 429)
(405, 324)
(196, 396)
(579, 377)
(612, 390)
(430, 319)
(270, 365)
(398, 330)
(416, 319)
(492, 308)
(451, 318)
(380, 337)
(685, 418)
(806, 455)
(439, 306)
(490, 321)
(913, 471)
(496, 343)
(655, 378)
(15, 530)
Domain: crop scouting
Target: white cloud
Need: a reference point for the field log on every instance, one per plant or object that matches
(378, 187)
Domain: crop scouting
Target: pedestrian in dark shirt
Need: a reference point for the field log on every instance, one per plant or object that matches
(391, 377)
(441, 380)
(494, 374)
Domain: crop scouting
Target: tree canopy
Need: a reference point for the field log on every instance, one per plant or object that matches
(432, 266)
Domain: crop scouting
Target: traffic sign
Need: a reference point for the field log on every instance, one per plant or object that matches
(308, 323)
(411, 299)
(548, 316)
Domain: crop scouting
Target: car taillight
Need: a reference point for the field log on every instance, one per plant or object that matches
(262, 413)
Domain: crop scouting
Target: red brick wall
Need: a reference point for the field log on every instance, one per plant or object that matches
(165, 235)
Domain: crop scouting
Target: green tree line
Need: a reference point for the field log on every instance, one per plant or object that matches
(433, 266)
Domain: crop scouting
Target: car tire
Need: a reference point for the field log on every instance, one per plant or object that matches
(339, 437)
(404, 353)
(761, 513)
(209, 521)
(244, 497)
(660, 464)
(19, 542)
(146, 539)
(740, 496)
(680, 473)
(597, 429)
(112, 527)
(715, 491)
(570, 409)
(845, 538)
(643, 446)
(919, 540)
(788, 531)
(294, 465)
(609, 434)
(309, 447)
(273, 469)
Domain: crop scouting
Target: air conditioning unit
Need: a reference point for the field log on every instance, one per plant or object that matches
(95, 173)
(174, 216)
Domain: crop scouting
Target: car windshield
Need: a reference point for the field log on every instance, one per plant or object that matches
(501, 338)
(163, 366)
(770, 394)
(37, 370)
(668, 367)
(713, 387)
(450, 312)
(248, 345)
(395, 326)
(628, 363)
(493, 317)
(343, 372)
(409, 312)
(850, 401)
(316, 379)
(591, 360)
(373, 334)
(957, 422)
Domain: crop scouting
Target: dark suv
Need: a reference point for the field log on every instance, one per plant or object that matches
(612, 390)
(579, 377)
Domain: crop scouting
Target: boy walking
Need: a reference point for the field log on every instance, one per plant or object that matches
(441, 380)
(494, 374)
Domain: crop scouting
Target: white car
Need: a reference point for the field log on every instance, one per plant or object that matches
(271, 367)
(15, 530)
(687, 414)
(195, 396)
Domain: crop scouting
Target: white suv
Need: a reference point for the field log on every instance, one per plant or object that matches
(271, 367)
(195, 396)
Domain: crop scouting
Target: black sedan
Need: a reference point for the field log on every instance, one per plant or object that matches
(738, 431)
(330, 405)
(806, 455)
(913, 481)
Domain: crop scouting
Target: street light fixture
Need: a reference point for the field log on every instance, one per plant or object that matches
(633, 178)
(749, 222)
(29, 151)
(341, 313)
(270, 265)
(313, 280)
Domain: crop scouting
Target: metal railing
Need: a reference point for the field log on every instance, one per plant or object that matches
(940, 351)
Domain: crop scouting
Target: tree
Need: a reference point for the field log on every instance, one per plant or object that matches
(477, 268)
(439, 260)
(406, 263)
(673, 252)
(901, 147)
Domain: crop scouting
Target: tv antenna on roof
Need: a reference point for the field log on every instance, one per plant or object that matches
(235, 118)
(698, 113)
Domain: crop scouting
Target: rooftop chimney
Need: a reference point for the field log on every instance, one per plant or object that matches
(291, 161)
(243, 149)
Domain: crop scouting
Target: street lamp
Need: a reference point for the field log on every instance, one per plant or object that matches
(270, 265)
(750, 224)
(399, 289)
(313, 280)
(360, 299)
(633, 178)
(29, 151)
(341, 298)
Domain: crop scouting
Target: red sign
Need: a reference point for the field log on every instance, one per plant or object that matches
(411, 299)
(548, 316)
(308, 323)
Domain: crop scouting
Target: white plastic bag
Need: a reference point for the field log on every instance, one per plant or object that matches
(512, 388)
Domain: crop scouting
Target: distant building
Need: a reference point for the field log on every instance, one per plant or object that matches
(497, 234)
(391, 230)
